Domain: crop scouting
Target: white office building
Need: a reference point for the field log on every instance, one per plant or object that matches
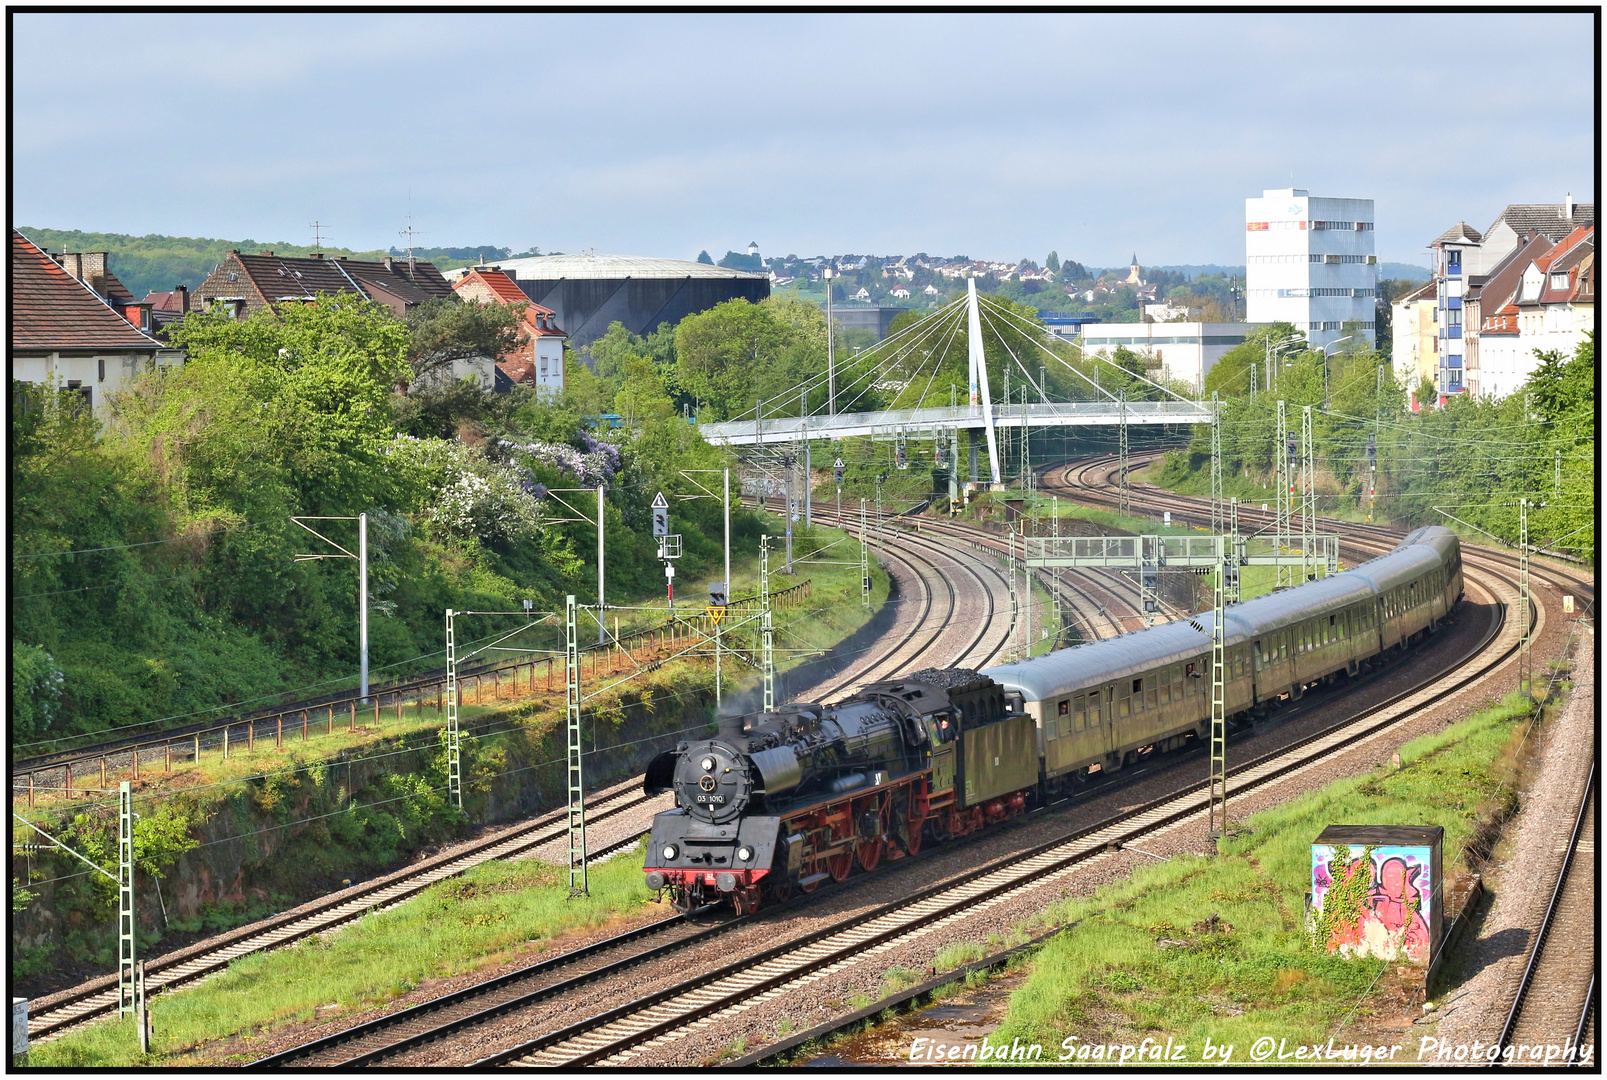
(1310, 261)
(1183, 351)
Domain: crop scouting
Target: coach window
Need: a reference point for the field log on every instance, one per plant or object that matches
(1065, 706)
(1166, 687)
(1152, 695)
(1124, 706)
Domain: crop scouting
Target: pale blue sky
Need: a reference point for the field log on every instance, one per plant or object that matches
(988, 135)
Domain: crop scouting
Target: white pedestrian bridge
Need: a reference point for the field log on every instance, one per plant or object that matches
(792, 429)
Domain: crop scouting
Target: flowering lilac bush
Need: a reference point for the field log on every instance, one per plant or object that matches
(598, 464)
(467, 493)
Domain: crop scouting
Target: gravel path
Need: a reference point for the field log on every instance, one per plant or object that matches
(1477, 1008)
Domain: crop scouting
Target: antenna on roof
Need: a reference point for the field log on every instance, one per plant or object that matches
(317, 235)
(409, 233)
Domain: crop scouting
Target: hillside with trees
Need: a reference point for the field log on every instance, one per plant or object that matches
(1470, 461)
(154, 573)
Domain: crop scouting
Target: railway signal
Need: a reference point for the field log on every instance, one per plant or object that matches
(837, 472)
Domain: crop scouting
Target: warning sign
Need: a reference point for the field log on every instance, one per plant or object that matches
(715, 614)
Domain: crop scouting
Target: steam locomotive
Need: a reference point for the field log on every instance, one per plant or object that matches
(790, 799)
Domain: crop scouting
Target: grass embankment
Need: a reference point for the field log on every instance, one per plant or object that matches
(1217, 947)
(495, 913)
(398, 802)
(832, 612)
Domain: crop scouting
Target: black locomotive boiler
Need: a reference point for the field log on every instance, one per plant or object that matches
(792, 798)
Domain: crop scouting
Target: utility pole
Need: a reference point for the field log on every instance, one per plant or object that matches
(1556, 476)
(1015, 604)
(864, 558)
(1308, 496)
(1523, 598)
(1232, 586)
(1029, 480)
(831, 354)
(362, 604)
(1056, 614)
(1216, 464)
(1219, 714)
(1123, 500)
(577, 784)
(1372, 475)
(1283, 452)
(127, 999)
(726, 503)
(361, 558)
(767, 655)
(454, 761)
(954, 471)
(602, 607)
(791, 468)
(126, 940)
(878, 519)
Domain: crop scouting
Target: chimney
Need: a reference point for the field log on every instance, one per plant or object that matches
(387, 262)
(316, 255)
(181, 299)
(1568, 206)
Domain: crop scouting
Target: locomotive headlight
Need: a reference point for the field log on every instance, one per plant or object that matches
(670, 852)
(744, 854)
(708, 764)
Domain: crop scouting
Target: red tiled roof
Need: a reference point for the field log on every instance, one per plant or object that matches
(499, 283)
(538, 320)
(50, 309)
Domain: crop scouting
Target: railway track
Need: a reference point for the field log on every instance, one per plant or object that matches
(613, 1036)
(53, 1014)
(1090, 481)
(940, 596)
(1555, 1000)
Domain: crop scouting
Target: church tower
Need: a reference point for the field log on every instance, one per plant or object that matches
(1133, 276)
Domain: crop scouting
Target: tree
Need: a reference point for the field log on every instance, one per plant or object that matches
(1052, 262)
(705, 258)
(741, 261)
(445, 329)
(728, 355)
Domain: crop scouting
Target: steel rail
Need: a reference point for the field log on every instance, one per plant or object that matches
(462, 1023)
(99, 996)
(908, 914)
(1543, 932)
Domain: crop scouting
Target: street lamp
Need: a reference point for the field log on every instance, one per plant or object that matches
(1325, 349)
(831, 370)
(1273, 347)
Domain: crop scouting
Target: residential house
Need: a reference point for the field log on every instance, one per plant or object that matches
(930, 290)
(902, 292)
(76, 334)
(167, 309)
(1531, 303)
(1462, 254)
(1415, 337)
(245, 285)
(863, 295)
(538, 360)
